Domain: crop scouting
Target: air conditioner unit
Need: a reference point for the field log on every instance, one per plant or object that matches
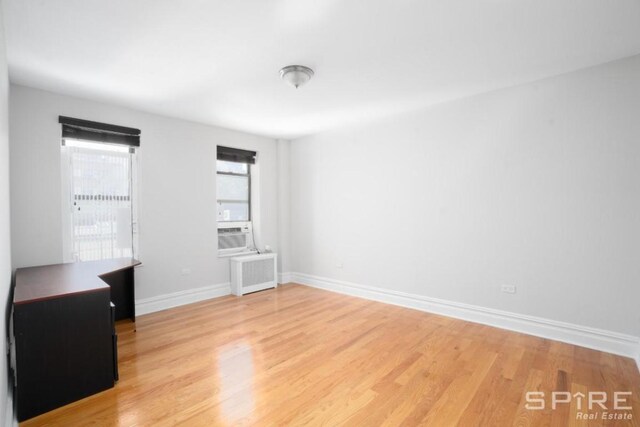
(234, 237)
(251, 273)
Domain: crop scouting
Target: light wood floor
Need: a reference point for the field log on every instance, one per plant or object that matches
(301, 356)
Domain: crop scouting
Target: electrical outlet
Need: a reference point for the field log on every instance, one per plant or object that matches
(508, 289)
(185, 271)
(339, 265)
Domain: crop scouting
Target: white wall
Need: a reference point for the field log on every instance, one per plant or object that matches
(177, 209)
(284, 206)
(536, 186)
(6, 411)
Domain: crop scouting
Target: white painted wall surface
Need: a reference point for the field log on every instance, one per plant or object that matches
(177, 205)
(284, 205)
(6, 411)
(536, 186)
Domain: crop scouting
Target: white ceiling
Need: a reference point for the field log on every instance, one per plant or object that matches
(217, 61)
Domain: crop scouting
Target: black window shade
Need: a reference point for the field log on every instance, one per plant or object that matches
(99, 132)
(236, 155)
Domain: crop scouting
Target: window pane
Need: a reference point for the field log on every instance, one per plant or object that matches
(98, 173)
(233, 167)
(233, 211)
(232, 187)
(101, 204)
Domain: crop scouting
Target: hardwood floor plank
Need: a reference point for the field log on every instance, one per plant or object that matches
(302, 356)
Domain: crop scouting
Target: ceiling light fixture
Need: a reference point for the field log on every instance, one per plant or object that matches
(296, 75)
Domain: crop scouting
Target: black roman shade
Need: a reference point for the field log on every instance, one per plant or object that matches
(236, 155)
(99, 132)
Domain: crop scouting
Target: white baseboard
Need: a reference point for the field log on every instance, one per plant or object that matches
(175, 299)
(598, 339)
(286, 277)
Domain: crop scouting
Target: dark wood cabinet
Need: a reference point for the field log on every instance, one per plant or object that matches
(64, 332)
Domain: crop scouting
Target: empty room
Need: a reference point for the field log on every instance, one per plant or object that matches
(320, 212)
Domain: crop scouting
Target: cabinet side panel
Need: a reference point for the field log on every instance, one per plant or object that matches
(63, 351)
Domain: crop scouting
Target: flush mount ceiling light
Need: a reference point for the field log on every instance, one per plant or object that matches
(296, 75)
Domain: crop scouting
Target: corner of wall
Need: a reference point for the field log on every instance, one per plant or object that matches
(284, 204)
(9, 419)
(285, 277)
(6, 385)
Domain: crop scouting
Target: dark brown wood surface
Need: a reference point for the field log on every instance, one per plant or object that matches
(53, 281)
(64, 351)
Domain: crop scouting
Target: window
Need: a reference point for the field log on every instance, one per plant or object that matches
(234, 184)
(99, 194)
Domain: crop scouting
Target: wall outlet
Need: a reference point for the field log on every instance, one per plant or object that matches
(185, 271)
(339, 265)
(508, 289)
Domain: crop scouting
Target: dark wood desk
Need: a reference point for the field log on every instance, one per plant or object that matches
(63, 330)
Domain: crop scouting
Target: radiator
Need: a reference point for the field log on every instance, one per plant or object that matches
(253, 273)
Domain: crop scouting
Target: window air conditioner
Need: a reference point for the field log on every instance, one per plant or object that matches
(234, 237)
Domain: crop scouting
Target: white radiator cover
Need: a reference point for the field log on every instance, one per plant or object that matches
(253, 273)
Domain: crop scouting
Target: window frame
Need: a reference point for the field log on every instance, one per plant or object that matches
(67, 144)
(248, 176)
